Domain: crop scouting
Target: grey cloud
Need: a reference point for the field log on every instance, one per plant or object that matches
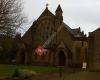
(83, 13)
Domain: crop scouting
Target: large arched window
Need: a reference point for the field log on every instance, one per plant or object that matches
(44, 31)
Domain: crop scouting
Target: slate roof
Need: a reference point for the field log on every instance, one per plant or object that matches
(98, 29)
(75, 32)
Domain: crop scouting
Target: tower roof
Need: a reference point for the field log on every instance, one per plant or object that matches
(59, 9)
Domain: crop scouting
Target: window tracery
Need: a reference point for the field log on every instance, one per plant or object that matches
(44, 31)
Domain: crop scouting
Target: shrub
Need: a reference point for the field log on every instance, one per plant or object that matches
(16, 73)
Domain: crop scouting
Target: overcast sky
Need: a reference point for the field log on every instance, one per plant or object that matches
(77, 13)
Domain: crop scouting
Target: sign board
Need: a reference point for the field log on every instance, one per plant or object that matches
(84, 65)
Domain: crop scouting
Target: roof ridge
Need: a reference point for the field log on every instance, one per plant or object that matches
(46, 12)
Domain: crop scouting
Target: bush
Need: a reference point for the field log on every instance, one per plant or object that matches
(16, 73)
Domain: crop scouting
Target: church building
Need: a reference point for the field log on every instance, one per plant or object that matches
(63, 46)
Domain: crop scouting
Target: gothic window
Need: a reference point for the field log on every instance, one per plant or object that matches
(44, 31)
(38, 35)
(47, 30)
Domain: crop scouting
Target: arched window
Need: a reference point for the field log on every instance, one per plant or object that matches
(44, 31)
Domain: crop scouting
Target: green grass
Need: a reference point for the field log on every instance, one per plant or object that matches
(80, 76)
(6, 70)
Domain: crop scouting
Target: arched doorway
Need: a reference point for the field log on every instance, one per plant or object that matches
(22, 57)
(61, 58)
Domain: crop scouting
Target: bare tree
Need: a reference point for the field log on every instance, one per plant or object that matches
(11, 16)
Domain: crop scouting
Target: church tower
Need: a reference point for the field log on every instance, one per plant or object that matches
(59, 16)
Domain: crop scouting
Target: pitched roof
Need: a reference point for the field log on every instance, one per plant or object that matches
(75, 32)
(46, 12)
(68, 28)
(98, 29)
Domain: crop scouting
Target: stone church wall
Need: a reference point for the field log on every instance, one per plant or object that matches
(94, 50)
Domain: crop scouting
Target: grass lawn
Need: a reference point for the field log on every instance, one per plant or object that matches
(6, 70)
(82, 75)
